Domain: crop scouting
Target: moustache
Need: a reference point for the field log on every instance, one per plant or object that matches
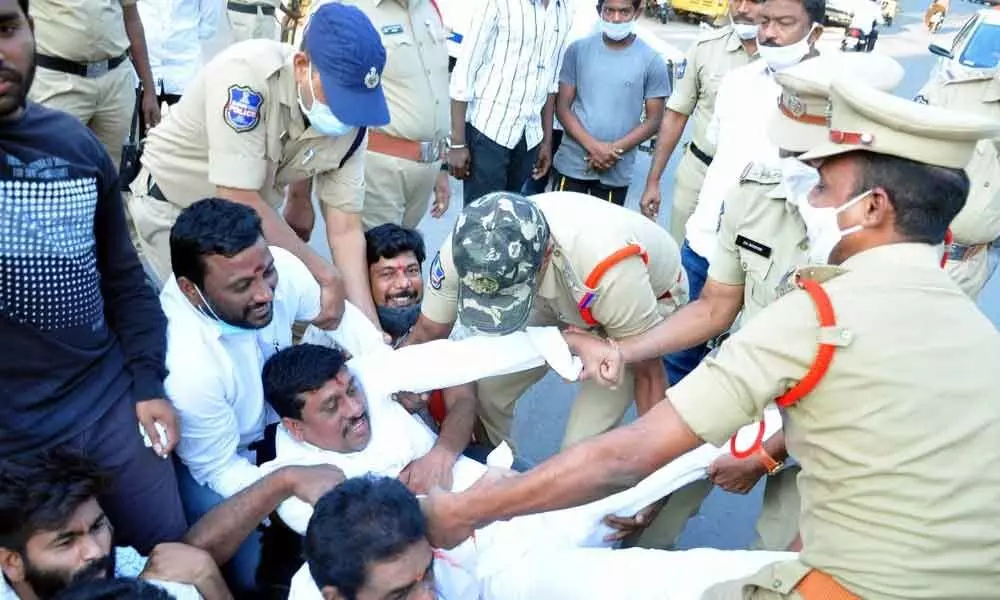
(10, 76)
(352, 422)
(96, 569)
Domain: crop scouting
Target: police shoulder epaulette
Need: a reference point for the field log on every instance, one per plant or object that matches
(756, 172)
(714, 34)
(817, 273)
(969, 76)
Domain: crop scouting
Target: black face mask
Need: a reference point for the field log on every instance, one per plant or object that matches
(397, 321)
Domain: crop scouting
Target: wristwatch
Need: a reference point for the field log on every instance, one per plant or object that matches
(768, 461)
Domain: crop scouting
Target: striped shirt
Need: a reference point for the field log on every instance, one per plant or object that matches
(509, 64)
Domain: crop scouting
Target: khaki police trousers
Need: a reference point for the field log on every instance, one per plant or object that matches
(246, 26)
(776, 529)
(687, 184)
(773, 582)
(397, 190)
(152, 220)
(104, 104)
(972, 273)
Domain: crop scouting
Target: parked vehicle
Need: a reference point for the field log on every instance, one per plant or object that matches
(704, 11)
(975, 47)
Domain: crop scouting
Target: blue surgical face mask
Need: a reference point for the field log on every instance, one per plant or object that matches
(321, 118)
(225, 328)
(617, 31)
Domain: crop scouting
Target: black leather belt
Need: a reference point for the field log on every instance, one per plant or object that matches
(250, 9)
(90, 70)
(154, 191)
(699, 154)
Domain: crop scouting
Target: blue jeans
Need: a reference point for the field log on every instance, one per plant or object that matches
(241, 570)
(679, 364)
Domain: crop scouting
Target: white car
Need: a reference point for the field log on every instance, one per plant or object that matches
(976, 47)
(457, 16)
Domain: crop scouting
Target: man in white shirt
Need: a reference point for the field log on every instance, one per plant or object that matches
(503, 94)
(175, 31)
(786, 36)
(230, 305)
(337, 411)
(54, 533)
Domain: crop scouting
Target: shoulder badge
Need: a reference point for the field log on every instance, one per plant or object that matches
(714, 33)
(758, 173)
(437, 272)
(242, 110)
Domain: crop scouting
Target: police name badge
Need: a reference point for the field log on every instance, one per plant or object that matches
(242, 110)
(437, 272)
(392, 29)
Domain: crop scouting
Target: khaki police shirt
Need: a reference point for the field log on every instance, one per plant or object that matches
(978, 93)
(708, 60)
(762, 239)
(586, 230)
(898, 442)
(82, 31)
(415, 79)
(239, 125)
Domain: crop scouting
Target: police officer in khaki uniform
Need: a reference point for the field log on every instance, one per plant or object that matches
(253, 20)
(561, 258)
(403, 166)
(898, 476)
(555, 258)
(83, 54)
(762, 241)
(260, 117)
(974, 252)
(712, 56)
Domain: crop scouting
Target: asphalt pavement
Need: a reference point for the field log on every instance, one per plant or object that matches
(726, 520)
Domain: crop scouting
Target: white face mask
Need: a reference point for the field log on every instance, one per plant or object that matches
(745, 31)
(321, 118)
(782, 57)
(823, 230)
(798, 179)
(617, 31)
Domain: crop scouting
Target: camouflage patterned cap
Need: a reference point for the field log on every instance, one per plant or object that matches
(498, 247)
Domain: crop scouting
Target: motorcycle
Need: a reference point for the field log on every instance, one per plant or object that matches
(854, 40)
(937, 20)
(659, 9)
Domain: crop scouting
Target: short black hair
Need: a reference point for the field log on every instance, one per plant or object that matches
(42, 491)
(114, 589)
(296, 370)
(636, 4)
(211, 226)
(390, 240)
(926, 198)
(361, 521)
(24, 6)
(816, 9)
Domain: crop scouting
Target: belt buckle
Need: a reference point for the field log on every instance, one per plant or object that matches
(429, 152)
(97, 69)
